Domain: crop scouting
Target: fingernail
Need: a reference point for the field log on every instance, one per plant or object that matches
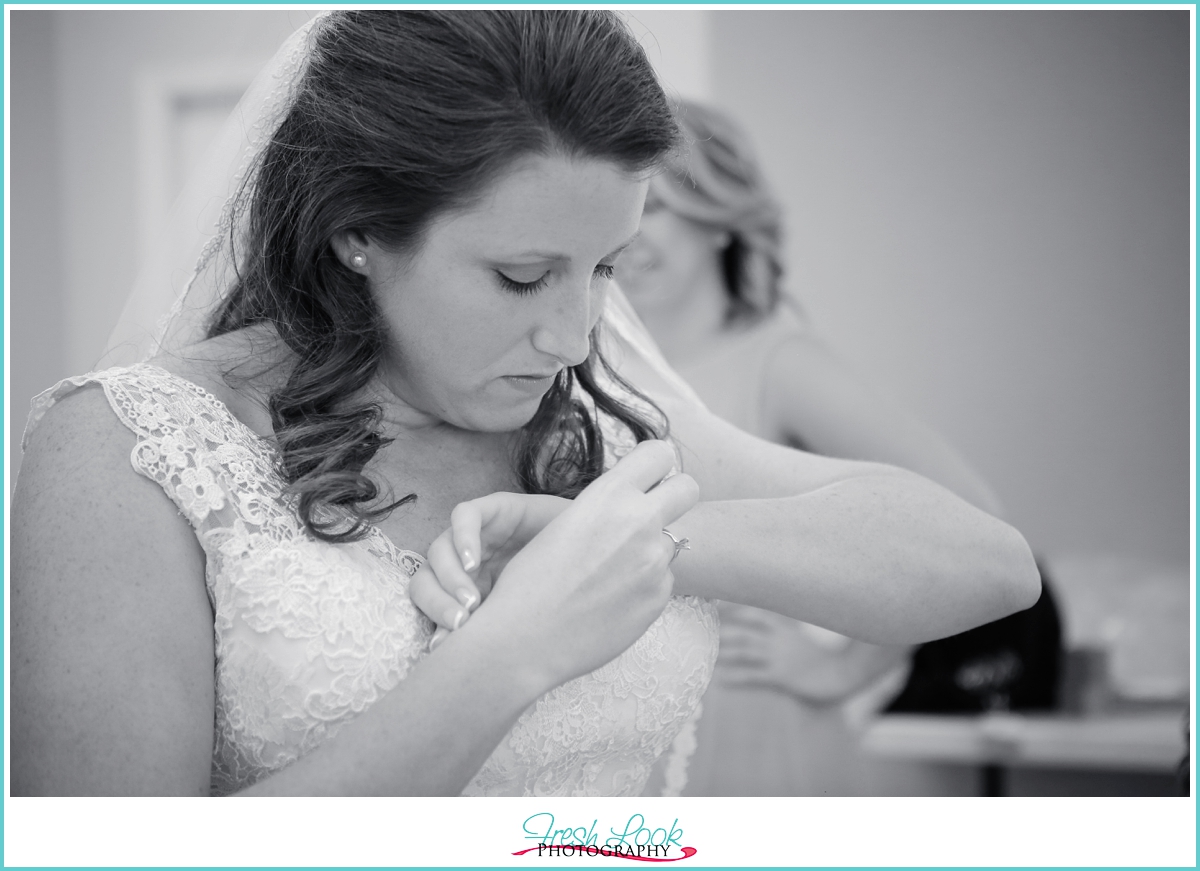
(468, 560)
(467, 598)
(438, 637)
(459, 616)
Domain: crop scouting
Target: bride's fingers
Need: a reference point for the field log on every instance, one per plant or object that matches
(643, 467)
(478, 526)
(466, 525)
(445, 562)
(433, 601)
(675, 497)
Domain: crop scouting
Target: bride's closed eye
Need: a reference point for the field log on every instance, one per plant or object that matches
(522, 288)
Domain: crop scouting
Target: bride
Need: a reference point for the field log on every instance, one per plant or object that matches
(399, 369)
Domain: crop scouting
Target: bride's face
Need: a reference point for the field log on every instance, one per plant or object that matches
(499, 297)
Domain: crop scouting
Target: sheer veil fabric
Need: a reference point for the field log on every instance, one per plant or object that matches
(192, 266)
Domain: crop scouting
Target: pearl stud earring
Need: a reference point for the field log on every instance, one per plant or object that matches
(358, 260)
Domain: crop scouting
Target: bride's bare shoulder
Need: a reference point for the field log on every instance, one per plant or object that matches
(76, 462)
(79, 446)
(78, 496)
(75, 440)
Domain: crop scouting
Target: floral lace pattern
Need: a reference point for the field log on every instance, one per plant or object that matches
(308, 634)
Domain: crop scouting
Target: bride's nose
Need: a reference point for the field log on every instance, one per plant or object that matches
(565, 324)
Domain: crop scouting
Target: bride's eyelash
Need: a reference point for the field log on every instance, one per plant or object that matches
(523, 288)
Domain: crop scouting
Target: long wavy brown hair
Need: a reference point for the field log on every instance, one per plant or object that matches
(402, 116)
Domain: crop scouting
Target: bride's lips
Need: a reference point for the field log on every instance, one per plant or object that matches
(533, 383)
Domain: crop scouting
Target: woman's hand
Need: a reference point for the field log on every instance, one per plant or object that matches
(462, 563)
(582, 579)
(816, 666)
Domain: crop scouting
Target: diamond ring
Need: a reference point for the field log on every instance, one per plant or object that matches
(680, 544)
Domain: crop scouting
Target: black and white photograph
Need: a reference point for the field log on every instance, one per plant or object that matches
(647, 403)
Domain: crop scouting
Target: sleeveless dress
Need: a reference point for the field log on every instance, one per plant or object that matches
(756, 741)
(310, 634)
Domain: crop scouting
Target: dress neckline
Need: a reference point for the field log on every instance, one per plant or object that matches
(268, 444)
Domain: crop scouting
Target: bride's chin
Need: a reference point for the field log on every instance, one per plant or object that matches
(510, 420)
(497, 418)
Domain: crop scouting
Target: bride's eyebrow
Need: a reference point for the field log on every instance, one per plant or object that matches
(535, 256)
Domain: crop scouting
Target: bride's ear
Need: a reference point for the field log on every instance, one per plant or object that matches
(351, 248)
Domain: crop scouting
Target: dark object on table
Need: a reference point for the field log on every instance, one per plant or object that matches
(1011, 664)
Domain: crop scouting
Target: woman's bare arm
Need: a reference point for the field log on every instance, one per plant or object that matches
(112, 638)
(868, 550)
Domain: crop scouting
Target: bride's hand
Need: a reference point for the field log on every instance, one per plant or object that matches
(592, 581)
(464, 562)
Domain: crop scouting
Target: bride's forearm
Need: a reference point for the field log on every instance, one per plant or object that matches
(888, 558)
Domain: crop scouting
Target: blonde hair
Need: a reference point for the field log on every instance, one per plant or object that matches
(715, 180)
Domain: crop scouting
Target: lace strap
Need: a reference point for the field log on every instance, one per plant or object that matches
(214, 469)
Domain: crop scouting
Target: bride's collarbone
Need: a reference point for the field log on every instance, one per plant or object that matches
(440, 475)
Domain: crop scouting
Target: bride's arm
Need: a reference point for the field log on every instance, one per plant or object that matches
(864, 549)
(112, 637)
(112, 651)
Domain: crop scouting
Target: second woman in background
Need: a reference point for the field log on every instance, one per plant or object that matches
(705, 275)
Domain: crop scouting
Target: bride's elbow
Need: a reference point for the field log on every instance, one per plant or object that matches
(1009, 579)
(990, 573)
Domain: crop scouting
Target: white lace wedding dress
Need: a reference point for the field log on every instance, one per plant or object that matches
(308, 634)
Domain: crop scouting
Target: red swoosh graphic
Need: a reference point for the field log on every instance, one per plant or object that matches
(688, 852)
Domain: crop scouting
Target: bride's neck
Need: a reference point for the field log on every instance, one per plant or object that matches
(244, 368)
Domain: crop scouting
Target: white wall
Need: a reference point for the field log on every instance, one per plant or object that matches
(988, 213)
(36, 251)
(74, 209)
(101, 56)
(679, 44)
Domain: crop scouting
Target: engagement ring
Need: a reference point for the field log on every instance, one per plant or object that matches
(680, 544)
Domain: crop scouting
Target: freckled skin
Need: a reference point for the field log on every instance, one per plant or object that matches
(460, 331)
